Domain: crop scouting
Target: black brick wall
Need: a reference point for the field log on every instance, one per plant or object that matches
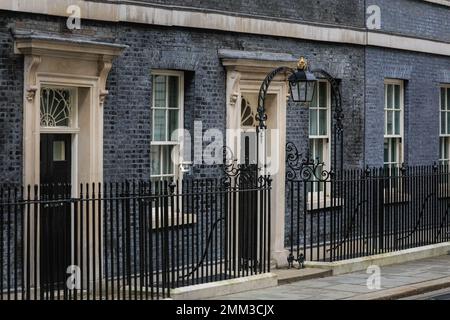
(416, 18)
(11, 92)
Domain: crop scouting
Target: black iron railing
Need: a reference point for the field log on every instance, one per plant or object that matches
(355, 213)
(128, 240)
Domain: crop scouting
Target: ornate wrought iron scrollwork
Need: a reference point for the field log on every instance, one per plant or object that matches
(304, 169)
(241, 175)
(229, 163)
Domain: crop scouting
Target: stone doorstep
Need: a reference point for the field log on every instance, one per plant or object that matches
(286, 276)
(239, 285)
(405, 291)
(384, 259)
(225, 287)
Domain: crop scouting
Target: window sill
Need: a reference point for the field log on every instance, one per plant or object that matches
(443, 192)
(322, 204)
(179, 219)
(396, 197)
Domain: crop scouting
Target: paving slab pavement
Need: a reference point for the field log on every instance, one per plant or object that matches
(396, 281)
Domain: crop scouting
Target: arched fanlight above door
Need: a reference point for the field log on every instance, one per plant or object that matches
(56, 107)
(247, 116)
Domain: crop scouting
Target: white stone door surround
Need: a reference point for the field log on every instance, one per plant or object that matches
(78, 64)
(82, 67)
(245, 73)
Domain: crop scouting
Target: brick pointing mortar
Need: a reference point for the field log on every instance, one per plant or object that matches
(415, 18)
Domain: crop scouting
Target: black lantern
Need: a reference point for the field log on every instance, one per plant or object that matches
(302, 83)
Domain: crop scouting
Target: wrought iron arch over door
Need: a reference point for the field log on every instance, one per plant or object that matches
(309, 190)
(297, 162)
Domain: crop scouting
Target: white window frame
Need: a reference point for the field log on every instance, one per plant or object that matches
(177, 175)
(319, 199)
(188, 218)
(400, 136)
(327, 137)
(444, 138)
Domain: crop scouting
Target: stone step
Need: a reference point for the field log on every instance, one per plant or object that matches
(286, 276)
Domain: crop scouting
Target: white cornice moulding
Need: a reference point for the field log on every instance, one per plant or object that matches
(378, 39)
(441, 2)
(215, 21)
(87, 50)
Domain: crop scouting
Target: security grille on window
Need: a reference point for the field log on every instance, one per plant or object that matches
(444, 153)
(393, 124)
(167, 117)
(319, 126)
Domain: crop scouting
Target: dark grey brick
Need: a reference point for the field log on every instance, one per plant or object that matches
(416, 18)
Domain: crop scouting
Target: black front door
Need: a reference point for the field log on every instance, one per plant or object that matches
(55, 210)
(248, 201)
